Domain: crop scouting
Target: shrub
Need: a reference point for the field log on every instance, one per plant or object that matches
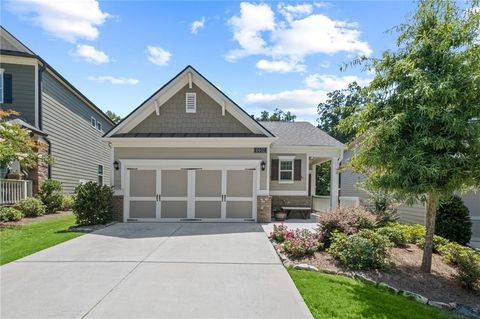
(50, 195)
(382, 205)
(10, 214)
(31, 207)
(453, 221)
(93, 204)
(67, 202)
(365, 250)
(280, 233)
(467, 262)
(413, 232)
(395, 235)
(303, 242)
(437, 243)
(344, 220)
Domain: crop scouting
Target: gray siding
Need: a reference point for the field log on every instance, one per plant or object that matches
(23, 89)
(76, 145)
(349, 180)
(296, 185)
(174, 119)
(187, 153)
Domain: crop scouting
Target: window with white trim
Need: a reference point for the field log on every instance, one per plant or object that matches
(100, 175)
(99, 126)
(285, 169)
(1, 85)
(191, 102)
(93, 122)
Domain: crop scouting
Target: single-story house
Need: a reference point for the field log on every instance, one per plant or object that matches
(189, 152)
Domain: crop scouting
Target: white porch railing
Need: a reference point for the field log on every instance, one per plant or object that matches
(322, 203)
(12, 191)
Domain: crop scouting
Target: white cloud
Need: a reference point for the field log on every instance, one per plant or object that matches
(332, 82)
(113, 80)
(197, 25)
(247, 29)
(296, 33)
(158, 56)
(280, 66)
(90, 54)
(67, 20)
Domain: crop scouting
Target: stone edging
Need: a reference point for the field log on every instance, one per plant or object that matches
(454, 307)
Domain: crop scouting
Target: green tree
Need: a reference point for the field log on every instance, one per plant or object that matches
(277, 116)
(339, 105)
(114, 117)
(420, 138)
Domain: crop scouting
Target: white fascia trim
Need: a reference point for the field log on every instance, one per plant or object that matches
(312, 151)
(286, 158)
(193, 163)
(19, 60)
(171, 89)
(289, 193)
(190, 142)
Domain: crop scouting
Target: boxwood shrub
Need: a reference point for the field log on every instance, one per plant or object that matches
(51, 195)
(31, 207)
(93, 204)
(453, 221)
(10, 214)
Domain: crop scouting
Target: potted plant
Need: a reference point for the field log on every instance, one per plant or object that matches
(279, 214)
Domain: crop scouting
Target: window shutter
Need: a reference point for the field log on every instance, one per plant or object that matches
(7, 88)
(297, 170)
(274, 170)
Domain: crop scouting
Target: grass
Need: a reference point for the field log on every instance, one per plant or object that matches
(331, 296)
(23, 240)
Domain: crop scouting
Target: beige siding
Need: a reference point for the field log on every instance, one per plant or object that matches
(76, 146)
(173, 118)
(296, 185)
(188, 153)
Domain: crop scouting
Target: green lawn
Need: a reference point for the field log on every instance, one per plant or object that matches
(27, 239)
(331, 296)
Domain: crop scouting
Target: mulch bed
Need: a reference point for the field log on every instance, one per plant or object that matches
(28, 220)
(404, 274)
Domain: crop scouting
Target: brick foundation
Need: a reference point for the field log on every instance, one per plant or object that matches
(264, 209)
(291, 201)
(39, 173)
(118, 208)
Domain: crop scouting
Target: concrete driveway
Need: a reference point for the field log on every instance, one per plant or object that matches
(147, 270)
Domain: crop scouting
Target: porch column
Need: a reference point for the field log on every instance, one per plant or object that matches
(334, 183)
(313, 180)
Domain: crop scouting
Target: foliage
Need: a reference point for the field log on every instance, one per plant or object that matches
(31, 207)
(280, 233)
(382, 204)
(15, 142)
(419, 137)
(277, 116)
(23, 240)
(10, 214)
(50, 195)
(366, 249)
(413, 233)
(453, 221)
(93, 204)
(395, 235)
(339, 297)
(323, 172)
(467, 262)
(345, 220)
(67, 202)
(114, 117)
(303, 242)
(437, 243)
(340, 104)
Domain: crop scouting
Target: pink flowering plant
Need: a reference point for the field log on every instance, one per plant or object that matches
(281, 233)
(303, 242)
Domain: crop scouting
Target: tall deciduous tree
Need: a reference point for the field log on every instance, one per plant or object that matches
(420, 138)
(277, 116)
(114, 117)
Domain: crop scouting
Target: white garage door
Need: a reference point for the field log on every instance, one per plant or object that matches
(202, 192)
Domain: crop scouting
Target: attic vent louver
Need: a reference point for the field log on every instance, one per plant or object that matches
(191, 102)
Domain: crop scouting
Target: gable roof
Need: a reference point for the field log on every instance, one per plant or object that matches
(173, 86)
(300, 134)
(24, 51)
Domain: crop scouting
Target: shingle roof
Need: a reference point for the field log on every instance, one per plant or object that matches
(300, 134)
(188, 135)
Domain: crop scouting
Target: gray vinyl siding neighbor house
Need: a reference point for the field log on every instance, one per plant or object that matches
(412, 214)
(71, 125)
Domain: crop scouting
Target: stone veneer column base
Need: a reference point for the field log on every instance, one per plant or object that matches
(264, 209)
(118, 208)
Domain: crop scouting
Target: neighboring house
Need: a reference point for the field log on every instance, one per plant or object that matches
(190, 153)
(413, 214)
(65, 123)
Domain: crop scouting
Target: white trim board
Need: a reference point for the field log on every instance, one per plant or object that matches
(211, 142)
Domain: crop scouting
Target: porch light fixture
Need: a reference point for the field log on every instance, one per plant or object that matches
(262, 165)
(116, 165)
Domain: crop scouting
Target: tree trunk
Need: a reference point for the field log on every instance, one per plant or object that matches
(431, 207)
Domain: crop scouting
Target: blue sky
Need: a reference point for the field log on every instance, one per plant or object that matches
(262, 54)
